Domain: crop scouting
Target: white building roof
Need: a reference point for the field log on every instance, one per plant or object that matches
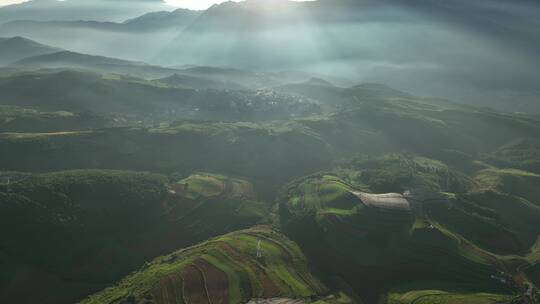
(392, 201)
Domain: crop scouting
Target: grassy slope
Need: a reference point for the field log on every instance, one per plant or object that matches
(17, 119)
(523, 154)
(199, 185)
(495, 221)
(444, 297)
(223, 270)
(512, 181)
(500, 215)
(484, 210)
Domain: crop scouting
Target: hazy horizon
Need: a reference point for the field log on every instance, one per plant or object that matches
(189, 4)
(482, 52)
(270, 152)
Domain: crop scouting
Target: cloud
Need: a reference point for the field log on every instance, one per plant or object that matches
(8, 2)
(98, 10)
(193, 4)
(203, 4)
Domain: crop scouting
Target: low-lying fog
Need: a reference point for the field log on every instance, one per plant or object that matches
(484, 51)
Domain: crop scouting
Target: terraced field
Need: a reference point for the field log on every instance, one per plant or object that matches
(357, 195)
(206, 185)
(516, 182)
(441, 244)
(335, 204)
(389, 246)
(234, 268)
(503, 223)
(443, 297)
(80, 230)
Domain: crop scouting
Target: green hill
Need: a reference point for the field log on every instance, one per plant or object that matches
(522, 154)
(100, 64)
(398, 173)
(198, 82)
(272, 150)
(516, 182)
(146, 101)
(17, 119)
(500, 215)
(412, 190)
(440, 296)
(457, 242)
(82, 230)
(234, 268)
(327, 93)
(267, 154)
(16, 48)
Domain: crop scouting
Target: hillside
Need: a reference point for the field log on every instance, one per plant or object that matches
(234, 268)
(136, 36)
(269, 152)
(149, 101)
(16, 119)
(297, 147)
(17, 48)
(468, 216)
(197, 82)
(66, 60)
(428, 237)
(46, 10)
(97, 226)
(316, 36)
(521, 154)
(441, 296)
(326, 92)
(175, 20)
(153, 21)
(467, 236)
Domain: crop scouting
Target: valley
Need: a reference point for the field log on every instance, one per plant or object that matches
(207, 160)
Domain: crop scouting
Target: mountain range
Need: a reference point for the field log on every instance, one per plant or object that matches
(100, 10)
(17, 48)
(369, 41)
(270, 152)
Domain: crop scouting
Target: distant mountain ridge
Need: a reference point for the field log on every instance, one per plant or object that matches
(182, 80)
(351, 39)
(136, 37)
(17, 48)
(161, 20)
(99, 10)
(69, 60)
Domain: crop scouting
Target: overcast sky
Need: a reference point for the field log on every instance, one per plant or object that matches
(6, 2)
(192, 4)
